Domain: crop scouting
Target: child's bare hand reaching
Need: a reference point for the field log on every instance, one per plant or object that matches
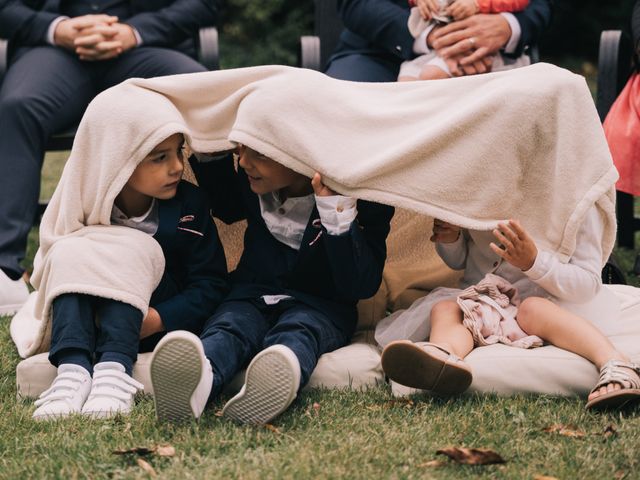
(461, 9)
(427, 8)
(444, 232)
(517, 247)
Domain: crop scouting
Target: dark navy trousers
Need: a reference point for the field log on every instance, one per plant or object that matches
(87, 329)
(240, 329)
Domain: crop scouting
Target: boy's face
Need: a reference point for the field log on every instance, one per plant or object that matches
(159, 173)
(266, 175)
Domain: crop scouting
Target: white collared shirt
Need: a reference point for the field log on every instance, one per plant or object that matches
(147, 222)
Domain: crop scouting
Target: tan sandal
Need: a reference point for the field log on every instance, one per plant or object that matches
(426, 366)
(614, 371)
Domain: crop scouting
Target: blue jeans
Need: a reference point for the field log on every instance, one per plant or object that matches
(240, 329)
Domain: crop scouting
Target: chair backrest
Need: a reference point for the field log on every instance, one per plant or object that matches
(614, 66)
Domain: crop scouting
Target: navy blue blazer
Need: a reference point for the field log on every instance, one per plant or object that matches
(379, 27)
(195, 279)
(329, 272)
(160, 23)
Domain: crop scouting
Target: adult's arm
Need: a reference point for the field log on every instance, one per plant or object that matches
(533, 21)
(23, 24)
(381, 22)
(170, 25)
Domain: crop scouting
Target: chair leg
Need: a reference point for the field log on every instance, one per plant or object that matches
(626, 221)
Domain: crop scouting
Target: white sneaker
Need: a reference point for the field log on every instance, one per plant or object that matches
(112, 391)
(13, 294)
(66, 395)
(181, 377)
(270, 386)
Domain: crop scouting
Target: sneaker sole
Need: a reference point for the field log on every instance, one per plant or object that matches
(410, 365)
(175, 374)
(270, 386)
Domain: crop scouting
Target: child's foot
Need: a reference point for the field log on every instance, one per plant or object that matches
(112, 391)
(270, 386)
(181, 377)
(619, 384)
(426, 366)
(66, 395)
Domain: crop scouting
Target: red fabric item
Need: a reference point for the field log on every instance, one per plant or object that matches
(497, 6)
(413, 3)
(622, 129)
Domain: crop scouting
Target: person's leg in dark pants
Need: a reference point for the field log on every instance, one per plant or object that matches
(73, 338)
(186, 371)
(358, 67)
(291, 350)
(73, 331)
(147, 62)
(231, 337)
(45, 90)
(308, 333)
(118, 334)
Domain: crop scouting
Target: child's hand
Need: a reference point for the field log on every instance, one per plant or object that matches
(151, 324)
(427, 8)
(518, 248)
(319, 188)
(444, 232)
(461, 9)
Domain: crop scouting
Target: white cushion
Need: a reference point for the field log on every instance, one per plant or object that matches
(496, 368)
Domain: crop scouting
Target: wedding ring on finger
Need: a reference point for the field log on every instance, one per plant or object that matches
(472, 41)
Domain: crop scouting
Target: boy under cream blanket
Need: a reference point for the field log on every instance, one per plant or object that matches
(523, 144)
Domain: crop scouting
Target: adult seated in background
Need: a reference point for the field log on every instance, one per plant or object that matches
(622, 125)
(61, 56)
(377, 40)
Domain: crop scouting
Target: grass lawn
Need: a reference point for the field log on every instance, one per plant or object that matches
(326, 434)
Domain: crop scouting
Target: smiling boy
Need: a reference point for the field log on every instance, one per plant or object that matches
(309, 256)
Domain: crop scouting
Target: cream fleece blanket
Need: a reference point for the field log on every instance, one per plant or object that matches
(523, 144)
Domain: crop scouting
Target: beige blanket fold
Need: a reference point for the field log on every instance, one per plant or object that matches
(472, 151)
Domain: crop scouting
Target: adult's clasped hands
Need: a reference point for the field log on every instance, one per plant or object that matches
(470, 45)
(94, 37)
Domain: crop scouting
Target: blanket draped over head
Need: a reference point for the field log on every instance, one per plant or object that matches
(472, 151)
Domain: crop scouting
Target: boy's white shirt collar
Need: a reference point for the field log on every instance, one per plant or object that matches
(147, 222)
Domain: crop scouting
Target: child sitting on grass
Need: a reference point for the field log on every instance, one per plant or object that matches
(88, 328)
(427, 14)
(309, 256)
(552, 292)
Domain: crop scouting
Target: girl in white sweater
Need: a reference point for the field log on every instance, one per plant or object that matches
(553, 293)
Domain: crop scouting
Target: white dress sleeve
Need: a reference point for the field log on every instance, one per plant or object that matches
(455, 254)
(578, 280)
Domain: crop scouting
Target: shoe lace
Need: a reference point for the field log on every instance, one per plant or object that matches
(65, 387)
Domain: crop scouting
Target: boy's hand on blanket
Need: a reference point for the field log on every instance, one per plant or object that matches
(444, 232)
(319, 188)
(427, 8)
(516, 246)
(151, 324)
(462, 9)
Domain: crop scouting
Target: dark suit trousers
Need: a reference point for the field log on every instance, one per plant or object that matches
(46, 90)
(362, 67)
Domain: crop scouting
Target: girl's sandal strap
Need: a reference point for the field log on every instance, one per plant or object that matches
(615, 371)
